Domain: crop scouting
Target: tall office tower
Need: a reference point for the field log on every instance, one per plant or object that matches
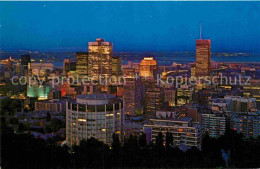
(25, 60)
(116, 66)
(100, 59)
(184, 131)
(170, 97)
(154, 98)
(94, 115)
(247, 123)
(69, 65)
(214, 124)
(148, 67)
(202, 57)
(82, 64)
(133, 92)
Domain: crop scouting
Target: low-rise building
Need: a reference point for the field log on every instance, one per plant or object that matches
(50, 105)
(240, 104)
(214, 124)
(247, 123)
(184, 131)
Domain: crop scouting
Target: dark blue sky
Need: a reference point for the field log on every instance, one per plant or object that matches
(131, 26)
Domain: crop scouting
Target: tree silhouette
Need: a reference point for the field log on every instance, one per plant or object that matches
(169, 139)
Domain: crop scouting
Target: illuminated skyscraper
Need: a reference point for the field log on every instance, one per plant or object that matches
(116, 66)
(100, 58)
(82, 63)
(202, 57)
(154, 98)
(133, 92)
(148, 67)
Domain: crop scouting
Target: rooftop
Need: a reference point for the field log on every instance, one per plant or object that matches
(96, 97)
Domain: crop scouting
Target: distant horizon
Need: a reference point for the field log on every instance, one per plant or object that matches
(132, 51)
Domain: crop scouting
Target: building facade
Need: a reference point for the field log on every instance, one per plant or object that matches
(214, 124)
(202, 67)
(247, 123)
(184, 131)
(82, 64)
(116, 66)
(153, 98)
(69, 65)
(94, 115)
(50, 105)
(40, 69)
(100, 58)
(148, 67)
(240, 104)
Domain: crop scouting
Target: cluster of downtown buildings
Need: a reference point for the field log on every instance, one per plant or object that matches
(141, 104)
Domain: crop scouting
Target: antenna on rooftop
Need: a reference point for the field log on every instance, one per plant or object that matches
(200, 31)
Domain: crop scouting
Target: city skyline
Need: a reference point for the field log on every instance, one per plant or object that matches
(131, 26)
(130, 84)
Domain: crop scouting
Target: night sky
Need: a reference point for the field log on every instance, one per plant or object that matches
(131, 26)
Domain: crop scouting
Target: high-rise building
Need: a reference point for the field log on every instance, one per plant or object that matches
(100, 59)
(184, 131)
(170, 97)
(82, 64)
(25, 60)
(133, 92)
(154, 98)
(94, 115)
(69, 65)
(202, 57)
(116, 66)
(214, 124)
(148, 67)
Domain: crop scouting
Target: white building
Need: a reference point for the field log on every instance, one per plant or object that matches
(184, 131)
(94, 115)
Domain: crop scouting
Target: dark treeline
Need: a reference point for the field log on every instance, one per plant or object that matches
(24, 151)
